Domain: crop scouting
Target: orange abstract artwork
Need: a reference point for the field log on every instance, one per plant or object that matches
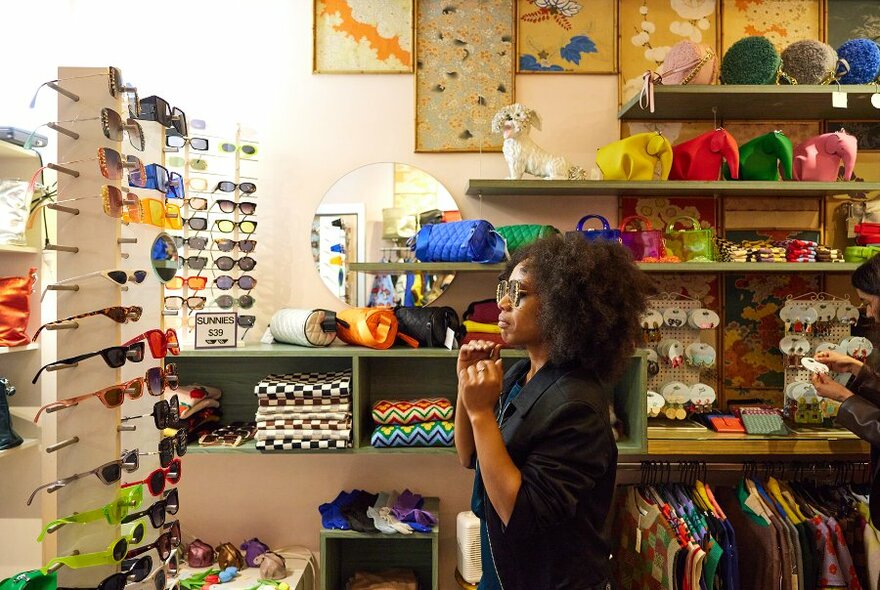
(781, 21)
(363, 36)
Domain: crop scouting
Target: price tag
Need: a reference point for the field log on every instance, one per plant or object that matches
(875, 100)
(839, 99)
(216, 330)
(451, 343)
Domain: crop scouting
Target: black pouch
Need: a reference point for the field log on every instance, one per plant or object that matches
(430, 216)
(428, 325)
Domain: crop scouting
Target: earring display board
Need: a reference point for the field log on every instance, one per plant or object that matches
(812, 323)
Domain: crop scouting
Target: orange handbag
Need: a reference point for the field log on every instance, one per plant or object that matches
(15, 308)
(373, 327)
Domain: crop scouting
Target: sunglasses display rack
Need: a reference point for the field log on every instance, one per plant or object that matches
(668, 334)
(812, 323)
(219, 166)
(80, 438)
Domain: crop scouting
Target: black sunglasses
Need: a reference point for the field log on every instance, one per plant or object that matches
(156, 108)
(196, 243)
(197, 223)
(167, 505)
(166, 413)
(169, 445)
(228, 263)
(227, 186)
(163, 544)
(227, 206)
(226, 282)
(178, 141)
(228, 302)
(134, 570)
(195, 262)
(227, 245)
(114, 356)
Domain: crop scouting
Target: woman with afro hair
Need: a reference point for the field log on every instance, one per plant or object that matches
(539, 434)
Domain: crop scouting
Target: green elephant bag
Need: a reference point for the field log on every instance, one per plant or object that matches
(518, 236)
(690, 244)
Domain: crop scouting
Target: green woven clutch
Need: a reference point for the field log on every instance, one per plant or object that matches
(518, 236)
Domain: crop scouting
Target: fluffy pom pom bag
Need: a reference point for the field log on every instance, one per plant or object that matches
(751, 60)
(810, 62)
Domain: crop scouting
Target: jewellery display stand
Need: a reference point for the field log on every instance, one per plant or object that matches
(90, 429)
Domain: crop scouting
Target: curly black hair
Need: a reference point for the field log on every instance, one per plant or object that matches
(867, 276)
(591, 297)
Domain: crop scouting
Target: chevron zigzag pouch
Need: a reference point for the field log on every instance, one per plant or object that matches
(424, 434)
(428, 409)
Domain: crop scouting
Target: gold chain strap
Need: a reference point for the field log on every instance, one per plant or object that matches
(693, 73)
(781, 75)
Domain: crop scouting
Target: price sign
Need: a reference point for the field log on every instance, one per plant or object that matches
(216, 330)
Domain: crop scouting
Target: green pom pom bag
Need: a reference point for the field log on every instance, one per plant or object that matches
(752, 60)
(519, 236)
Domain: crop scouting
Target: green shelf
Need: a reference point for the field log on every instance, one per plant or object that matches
(671, 188)
(752, 103)
(342, 351)
(429, 267)
(688, 267)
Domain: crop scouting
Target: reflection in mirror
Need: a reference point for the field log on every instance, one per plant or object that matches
(164, 257)
(367, 216)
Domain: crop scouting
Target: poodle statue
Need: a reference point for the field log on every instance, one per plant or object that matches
(524, 155)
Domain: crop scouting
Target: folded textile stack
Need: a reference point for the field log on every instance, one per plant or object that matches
(801, 251)
(304, 411)
(784, 251)
(199, 407)
(383, 512)
(413, 423)
(397, 579)
(481, 322)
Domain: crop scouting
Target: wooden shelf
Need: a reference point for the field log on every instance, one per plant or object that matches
(11, 249)
(23, 348)
(752, 103)
(676, 267)
(671, 188)
(696, 441)
(335, 351)
(28, 443)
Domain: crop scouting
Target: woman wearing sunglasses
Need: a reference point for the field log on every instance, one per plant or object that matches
(545, 468)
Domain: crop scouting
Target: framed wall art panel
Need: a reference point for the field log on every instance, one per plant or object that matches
(363, 37)
(465, 55)
(781, 21)
(867, 132)
(848, 19)
(572, 37)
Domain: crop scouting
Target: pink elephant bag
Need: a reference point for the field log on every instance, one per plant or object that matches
(643, 243)
(819, 158)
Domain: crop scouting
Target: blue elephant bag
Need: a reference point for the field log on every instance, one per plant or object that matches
(474, 240)
(605, 233)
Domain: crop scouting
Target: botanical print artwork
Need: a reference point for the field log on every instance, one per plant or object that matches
(661, 210)
(464, 73)
(752, 330)
(566, 36)
(363, 36)
(649, 28)
(867, 132)
(849, 19)
(781, 21)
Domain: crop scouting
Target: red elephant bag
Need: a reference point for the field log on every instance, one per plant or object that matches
(700, 158)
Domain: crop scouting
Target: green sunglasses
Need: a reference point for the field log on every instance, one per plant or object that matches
(113, 513)
(114, 553)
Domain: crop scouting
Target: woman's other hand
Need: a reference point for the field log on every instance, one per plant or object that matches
(479, 386)
(839, 363)
(475, 351)
(829, 388)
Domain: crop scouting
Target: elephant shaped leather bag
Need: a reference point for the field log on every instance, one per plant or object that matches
(690, 244)
(819, 157)
(700, 158)
(643, 243)
(635, 157)
(604, 233)
(761, 158)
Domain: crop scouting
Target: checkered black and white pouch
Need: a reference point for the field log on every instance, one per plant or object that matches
(335, 386)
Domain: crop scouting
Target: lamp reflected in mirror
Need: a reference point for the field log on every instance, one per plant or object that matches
(164, 257)
(367, 216)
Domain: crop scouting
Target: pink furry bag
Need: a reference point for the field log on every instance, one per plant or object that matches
(689, 63)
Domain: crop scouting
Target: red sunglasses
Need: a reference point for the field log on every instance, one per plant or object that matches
(160, 342)
(157, 479)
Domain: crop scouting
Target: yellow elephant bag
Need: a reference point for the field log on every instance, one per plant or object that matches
(635, 157)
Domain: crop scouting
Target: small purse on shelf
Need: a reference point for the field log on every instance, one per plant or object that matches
(690, 244)
(428, 325)
(397, 224)
(199, 554)
(519, 236)
(14, 211)
(643, 243)
(604, 233)
(474, 240)
(430, 216)
(371, 327)
(15, 308)
(229, 555)
(304, 327)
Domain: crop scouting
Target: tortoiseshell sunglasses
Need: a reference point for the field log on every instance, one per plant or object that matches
(118, 314)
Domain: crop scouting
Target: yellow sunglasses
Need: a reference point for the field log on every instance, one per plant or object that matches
(164, 215)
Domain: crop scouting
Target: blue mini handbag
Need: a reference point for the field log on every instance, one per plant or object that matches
(605, 233)
(474, 240)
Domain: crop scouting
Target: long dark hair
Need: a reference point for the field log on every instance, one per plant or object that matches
(867, 277)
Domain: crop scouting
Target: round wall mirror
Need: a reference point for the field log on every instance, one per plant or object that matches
(164, 258)
(367, 216)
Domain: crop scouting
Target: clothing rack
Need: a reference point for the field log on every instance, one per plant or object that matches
(834, 472)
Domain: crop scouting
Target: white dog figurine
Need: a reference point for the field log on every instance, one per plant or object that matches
(523, 154)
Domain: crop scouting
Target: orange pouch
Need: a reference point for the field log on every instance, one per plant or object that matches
(373, 327)
(15, 308)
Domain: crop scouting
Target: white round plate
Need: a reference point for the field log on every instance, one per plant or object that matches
(814, 366)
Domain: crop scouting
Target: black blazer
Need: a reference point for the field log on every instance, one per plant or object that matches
(860, 414)
(558, 433)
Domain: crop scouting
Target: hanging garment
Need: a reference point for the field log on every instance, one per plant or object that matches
(645, 555)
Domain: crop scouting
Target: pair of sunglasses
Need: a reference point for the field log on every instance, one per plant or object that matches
(161, 343)
(162, 214)
(115, 552)
(168, 568)
(228, 263)
(169, 504)
(132, 571)
(114, 84)
(109, 473)
(170, 183)
(156, 380)
(512, 289)
(194, 262)
(228, 302)
(164, 544)
(112, 165)
(170, 445)
(178, 141)
(165, 414)
(195, 283)
(195, 242)
(227, 226)
(225, 282)
(120, 277)
(114, 512)
(227, 245)
(114, 356)
(118, 314)
(176, 302)
(226, 206)
(155, 108)
(231, 435)
(227, 186)
(247, 150)
(156, 480)
(114, 127)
